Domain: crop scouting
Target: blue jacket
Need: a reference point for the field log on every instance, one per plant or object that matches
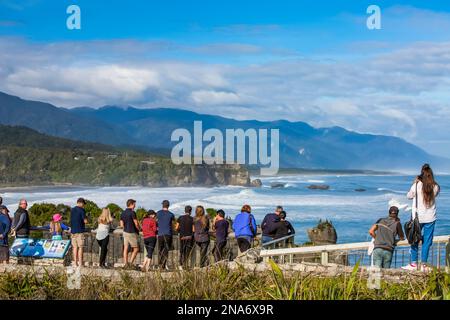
(241, 225)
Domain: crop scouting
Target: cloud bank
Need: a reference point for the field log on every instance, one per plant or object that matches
(399, 90)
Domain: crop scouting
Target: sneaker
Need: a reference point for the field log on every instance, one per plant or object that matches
(410, 267)
(180, 268)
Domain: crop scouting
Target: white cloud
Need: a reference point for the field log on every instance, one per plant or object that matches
(208, 97)
(388, 93)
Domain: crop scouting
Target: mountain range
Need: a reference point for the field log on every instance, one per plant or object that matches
(301, 145)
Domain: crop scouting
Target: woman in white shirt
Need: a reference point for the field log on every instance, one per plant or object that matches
(102, 236)
(427, 191)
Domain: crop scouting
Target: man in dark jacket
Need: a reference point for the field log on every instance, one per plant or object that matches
(21, 222)
(269, 224)
(283, 227)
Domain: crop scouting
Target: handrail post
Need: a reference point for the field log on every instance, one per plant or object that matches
(447, 255)
(324, 258)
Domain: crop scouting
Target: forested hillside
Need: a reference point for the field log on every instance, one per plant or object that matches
(31, 158)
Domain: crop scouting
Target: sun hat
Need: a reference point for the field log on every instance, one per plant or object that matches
(57, 217)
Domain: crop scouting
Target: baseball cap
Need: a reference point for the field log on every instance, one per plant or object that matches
(393, 210)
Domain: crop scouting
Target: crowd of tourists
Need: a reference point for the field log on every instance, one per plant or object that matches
(158, 229)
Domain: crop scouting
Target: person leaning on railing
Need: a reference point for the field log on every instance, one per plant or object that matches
(185, 228)
(78, 222)
(244, 227)
(5, 227)
(165, 220)
(221, 227)
(283, 227)
(57, 227)
(102, 234)
(201, 233)
(21, 223)
(130, 226)
(385, 231)
(149, 233)
(268, 225)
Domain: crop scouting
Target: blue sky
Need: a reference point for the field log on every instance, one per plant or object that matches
(312, 61)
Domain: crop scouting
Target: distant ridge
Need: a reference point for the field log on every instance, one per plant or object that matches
(301, 145)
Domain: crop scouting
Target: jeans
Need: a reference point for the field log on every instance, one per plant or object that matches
(266, 239)
(203, 253)
(164, 244)
(382, 258)
(427, 241)
(103, 244)
(218, 250)
(186, 246)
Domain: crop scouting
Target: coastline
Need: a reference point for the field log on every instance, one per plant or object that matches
(253, 175)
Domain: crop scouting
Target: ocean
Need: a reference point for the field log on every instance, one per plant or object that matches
(351, 212)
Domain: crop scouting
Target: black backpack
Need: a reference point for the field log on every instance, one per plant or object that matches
(413, 231)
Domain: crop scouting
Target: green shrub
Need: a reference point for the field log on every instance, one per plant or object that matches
(41, 213)
(212, 213)
(92, 212)
(140, 212)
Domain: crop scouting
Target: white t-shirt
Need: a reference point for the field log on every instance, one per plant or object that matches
(102, 231)
(426, 213)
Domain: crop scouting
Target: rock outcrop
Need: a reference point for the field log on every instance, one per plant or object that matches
(277, 185)
(324, 233)
(319, 187)
(257, 183)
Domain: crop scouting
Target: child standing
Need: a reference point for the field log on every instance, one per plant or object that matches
(57, 227)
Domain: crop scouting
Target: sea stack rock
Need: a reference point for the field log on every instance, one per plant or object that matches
(324, 233)
(257, 183)
(319, 187)
(360, 190)
(277, 185)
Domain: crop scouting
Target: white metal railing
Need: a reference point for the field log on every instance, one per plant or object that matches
(350, 248)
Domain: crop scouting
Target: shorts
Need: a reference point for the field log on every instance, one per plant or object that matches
(130, 239)
(78, 240)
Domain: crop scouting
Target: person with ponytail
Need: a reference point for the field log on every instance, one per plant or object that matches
(57, 227)
(423, 192)
(201, 234)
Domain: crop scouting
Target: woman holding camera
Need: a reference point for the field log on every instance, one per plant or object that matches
(423, 192)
